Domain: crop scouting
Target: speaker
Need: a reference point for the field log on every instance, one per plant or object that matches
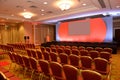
(27, 37)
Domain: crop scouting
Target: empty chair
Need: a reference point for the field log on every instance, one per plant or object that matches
(33, 52)
(52, 46)
(42, 48)
(84, 52)
(57, 70)
(91, 75)
(11, 58)
(102, 66)
(67, 51)
(108, 50)
(76, 52)
(26, 63)
(99, 49)
(93, 54)
(48, 49)
(74, 47)
(29, 52)
(105, 55)
(39, 54)
(60, 50)
(53, 49)
(53, 56)
(71, 72)
(45, 68)
(46, 55)
(81, 48)
(57, 46)
(74, 60)
(63, 58)
(89, 48)
(34, 66)
(86, 62)
(68, 47)
(62, 46)
(20, 59)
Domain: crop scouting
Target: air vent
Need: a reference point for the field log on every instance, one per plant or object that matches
(102, 4)
(49, 12)
(33, 6)
(19, 6)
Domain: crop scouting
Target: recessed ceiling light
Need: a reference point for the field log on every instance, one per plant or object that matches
(84, 4)
(42, 14)
(42, 10)
(45, 3)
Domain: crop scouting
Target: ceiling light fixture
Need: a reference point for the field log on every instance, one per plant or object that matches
(27, 15)
(65, 4)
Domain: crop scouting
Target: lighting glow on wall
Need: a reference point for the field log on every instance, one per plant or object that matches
(100, 31)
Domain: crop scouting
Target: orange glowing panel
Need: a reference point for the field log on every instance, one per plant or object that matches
(97, 32)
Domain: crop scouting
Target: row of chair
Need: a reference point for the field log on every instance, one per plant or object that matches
(53, 69)
(81, 62)
(82, 47)
(38, 54)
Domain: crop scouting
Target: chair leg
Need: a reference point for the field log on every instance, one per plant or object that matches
(32, 74)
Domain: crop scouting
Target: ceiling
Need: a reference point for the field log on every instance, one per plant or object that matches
(10, 10)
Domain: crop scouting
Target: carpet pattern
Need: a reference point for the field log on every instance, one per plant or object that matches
(115, 67)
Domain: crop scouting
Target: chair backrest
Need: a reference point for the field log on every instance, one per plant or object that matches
(63, 58)
(94, 54)
(20, 59)
(89, 48)
(46, 55)
(60, 50)
(48, 49)
(81, 48)
(29, 52)
(107, 49)
(91, 75)
(26, 61)
(62, 46)
(33, 63)
(11, 56)
(67, 51)
(105, 55)
(42, 48)
(39, 54)
(74, 47)
(57, 70)
(76, 52)
(53, 56)
(84, 52)
(71, 72)
(53, 49)
(101, 65)
(45, 68)
(86, 62)
(33, 52)
(74, 60)
(99, 49)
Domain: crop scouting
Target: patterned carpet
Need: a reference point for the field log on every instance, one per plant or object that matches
(115, 67)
